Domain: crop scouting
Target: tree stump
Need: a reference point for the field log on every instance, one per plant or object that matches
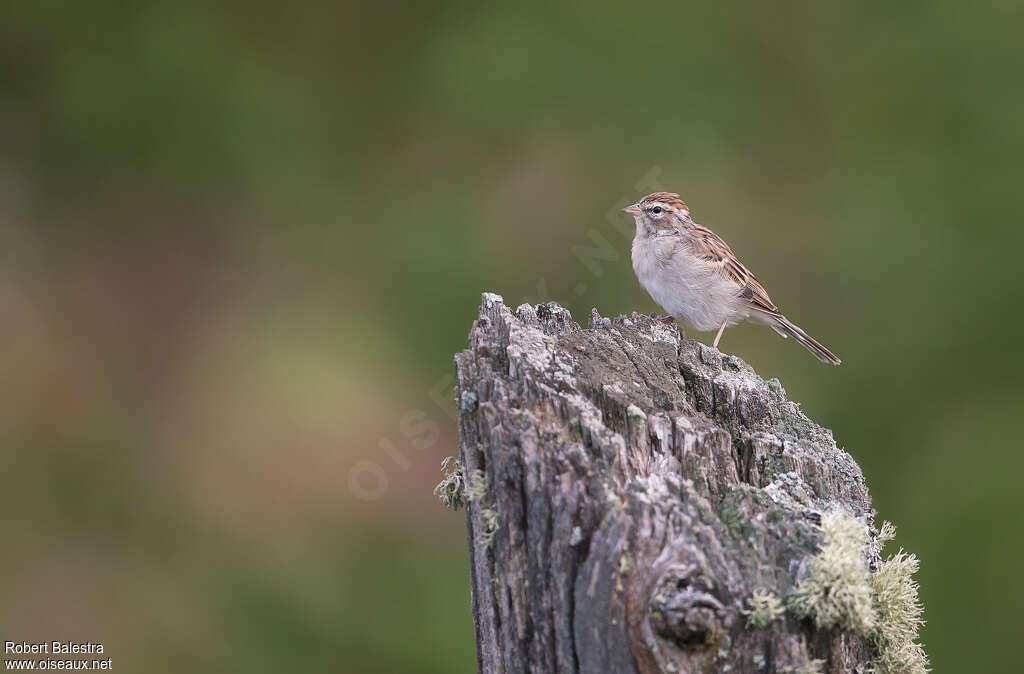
(632, 497)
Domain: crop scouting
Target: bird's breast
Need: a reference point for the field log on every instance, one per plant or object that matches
(683, 284)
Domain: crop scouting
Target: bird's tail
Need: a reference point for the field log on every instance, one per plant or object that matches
(786, 328)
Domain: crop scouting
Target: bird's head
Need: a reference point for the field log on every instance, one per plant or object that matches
(658, 211)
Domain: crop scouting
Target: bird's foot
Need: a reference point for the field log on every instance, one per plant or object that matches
(669, 320)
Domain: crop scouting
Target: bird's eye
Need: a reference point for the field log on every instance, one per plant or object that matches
(656, 209)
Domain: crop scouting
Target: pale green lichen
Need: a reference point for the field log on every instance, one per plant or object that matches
(625, 561)
(764, 609)
(455, 490)
(476, 486)
(450, 489)
(489, 517)
(576, 430)
(837, 589)
(840, 590)
(899, 613)
(886, 533)
(810, 667)
(474, 490)
(635, 414)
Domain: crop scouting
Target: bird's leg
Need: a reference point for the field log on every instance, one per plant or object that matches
(721, 329)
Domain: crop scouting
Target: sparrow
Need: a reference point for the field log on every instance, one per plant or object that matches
(697, 279)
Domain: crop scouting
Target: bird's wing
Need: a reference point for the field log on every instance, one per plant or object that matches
(709, 247)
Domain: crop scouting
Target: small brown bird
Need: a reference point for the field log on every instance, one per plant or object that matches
(695, 276)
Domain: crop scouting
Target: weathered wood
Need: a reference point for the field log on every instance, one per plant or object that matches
(628, 491)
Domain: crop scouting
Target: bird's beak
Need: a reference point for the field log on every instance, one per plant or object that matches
(633, 210)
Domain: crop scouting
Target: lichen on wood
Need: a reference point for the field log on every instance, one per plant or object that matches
(636, 495)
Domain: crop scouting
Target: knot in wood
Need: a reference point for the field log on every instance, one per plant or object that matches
(685, 609)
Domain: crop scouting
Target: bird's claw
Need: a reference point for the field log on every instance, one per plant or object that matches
(669, 320)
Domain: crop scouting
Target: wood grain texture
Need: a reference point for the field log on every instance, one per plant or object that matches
(643, 489)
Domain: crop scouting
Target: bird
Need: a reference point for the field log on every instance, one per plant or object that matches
(694, 275)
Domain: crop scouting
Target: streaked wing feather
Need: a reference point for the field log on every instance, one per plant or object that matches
(716, 252)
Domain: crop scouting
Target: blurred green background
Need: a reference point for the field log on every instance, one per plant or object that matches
(240, 242)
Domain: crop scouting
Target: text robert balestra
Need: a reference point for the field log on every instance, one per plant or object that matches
(55, 647)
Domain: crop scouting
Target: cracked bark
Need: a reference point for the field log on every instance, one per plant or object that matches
(643, 488)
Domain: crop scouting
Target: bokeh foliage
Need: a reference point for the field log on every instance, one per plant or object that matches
(239, 243)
